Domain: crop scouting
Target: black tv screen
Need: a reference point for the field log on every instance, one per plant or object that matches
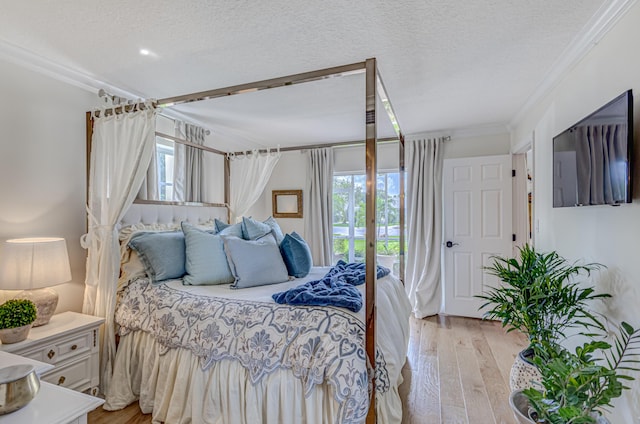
(592, 159)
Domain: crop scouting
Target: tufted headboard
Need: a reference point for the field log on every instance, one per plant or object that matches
(143, 213)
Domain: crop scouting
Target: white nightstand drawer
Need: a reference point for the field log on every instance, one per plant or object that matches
(75, 376)
(65, 349)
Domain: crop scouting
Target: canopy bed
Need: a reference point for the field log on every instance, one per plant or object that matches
(329, 381)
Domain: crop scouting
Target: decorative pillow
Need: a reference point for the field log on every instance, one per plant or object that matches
(232, 229)
(162, 254)
(277, 231)
(254, 262)
(296, 254)
(252, 229)
(206, 262)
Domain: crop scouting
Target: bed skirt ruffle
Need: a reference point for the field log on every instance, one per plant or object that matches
(173, 387)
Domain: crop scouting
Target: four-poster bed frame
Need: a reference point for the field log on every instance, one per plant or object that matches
(374, 88)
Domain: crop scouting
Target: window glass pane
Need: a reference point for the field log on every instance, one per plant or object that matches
(349, 209)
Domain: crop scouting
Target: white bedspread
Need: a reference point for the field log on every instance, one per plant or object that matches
(254, 360)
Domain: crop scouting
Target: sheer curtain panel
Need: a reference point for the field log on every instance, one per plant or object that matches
(250, 174)
(424, 228)
(319, 224)
(121, 149)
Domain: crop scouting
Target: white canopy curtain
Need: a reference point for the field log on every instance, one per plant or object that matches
(319, 224)
(187, 169)
(121, 149)
(424, 225)
(249, 174)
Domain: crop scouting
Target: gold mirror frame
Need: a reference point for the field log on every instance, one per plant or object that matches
(282, 214)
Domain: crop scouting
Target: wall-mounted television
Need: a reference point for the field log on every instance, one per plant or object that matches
(592, 159)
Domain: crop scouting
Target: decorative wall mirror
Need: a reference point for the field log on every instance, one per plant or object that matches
(287, 203)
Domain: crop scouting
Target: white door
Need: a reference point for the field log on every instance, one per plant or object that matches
(477, 225)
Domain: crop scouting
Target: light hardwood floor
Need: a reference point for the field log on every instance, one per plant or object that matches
(457, 371)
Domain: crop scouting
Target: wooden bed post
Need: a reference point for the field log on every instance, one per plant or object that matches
(402, 205)
(227, 187)
(370, 219)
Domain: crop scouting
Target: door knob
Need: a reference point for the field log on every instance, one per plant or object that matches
(450, 244)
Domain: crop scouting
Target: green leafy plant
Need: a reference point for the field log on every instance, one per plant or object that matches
(16, 313)
(577, 387)
(386, 249)
(539, 298)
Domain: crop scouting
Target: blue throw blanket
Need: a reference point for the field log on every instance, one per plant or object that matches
(336, 288)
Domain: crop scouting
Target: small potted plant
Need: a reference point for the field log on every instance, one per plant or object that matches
(386, 256)
(16, 317)
(576, 387)
(539, 298)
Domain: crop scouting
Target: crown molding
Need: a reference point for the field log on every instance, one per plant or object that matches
(29, 60)
(596, 28)
(34, 62)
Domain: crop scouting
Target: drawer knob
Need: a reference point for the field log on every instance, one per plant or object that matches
(51, 354)
(74, 347)
(61, 380)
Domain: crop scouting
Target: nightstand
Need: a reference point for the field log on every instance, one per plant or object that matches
(70, 343)
(54, 405)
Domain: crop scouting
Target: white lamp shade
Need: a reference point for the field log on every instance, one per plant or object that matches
(34, 263)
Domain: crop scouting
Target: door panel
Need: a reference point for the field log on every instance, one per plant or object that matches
(477, 220)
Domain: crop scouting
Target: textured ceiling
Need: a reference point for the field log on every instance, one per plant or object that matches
(445, 64)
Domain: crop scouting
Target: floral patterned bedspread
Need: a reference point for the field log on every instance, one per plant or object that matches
(315, 343)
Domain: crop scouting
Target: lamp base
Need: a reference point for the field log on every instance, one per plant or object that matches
(46, 301)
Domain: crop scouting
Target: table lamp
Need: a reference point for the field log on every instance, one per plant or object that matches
(33, 265)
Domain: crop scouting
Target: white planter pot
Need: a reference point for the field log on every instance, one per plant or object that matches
(386, 261)
(14, 335)
(523, 371)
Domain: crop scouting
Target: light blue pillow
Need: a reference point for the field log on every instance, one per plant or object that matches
(254, 262)
(231, 229)
(252, 229)
(161, 253)
(277, 231)
(206, 262)
(296, 254)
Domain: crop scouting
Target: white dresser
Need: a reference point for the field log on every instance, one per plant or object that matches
(70, 343)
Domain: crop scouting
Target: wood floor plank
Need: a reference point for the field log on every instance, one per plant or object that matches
(495, 385)
(426, 399)
(476, 400)
(457, 372)
(452, 407)
(504, 347)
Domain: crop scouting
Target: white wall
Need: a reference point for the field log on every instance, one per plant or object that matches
(42, 166)
(605, 234)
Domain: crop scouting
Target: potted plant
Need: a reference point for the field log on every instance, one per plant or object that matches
(578, 386)
(539, 298)
(16, 317)
(386, 256)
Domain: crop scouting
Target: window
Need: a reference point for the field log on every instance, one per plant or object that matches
(349, 215)
(164, 157)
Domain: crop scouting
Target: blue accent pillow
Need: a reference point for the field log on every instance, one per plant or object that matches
(296, 254)
(206, 262)
(161, 253)
(277, 231)
(254, 262)
(231, 229)
(252, 229)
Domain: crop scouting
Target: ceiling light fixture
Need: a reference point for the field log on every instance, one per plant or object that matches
(145, 52)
